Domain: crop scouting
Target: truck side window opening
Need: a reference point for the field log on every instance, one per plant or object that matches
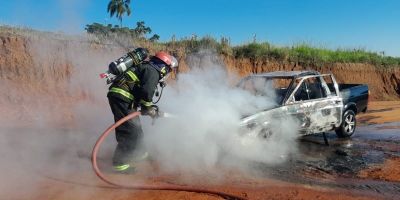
(311, 88)
(301, 93)
(315, 88)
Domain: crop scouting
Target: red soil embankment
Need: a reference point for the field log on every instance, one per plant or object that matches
(43, 74)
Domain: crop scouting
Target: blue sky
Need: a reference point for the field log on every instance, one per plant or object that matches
(370, 24)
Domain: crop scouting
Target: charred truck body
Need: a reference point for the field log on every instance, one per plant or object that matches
(316, 101)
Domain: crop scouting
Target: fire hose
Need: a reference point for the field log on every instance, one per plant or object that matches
(146, 187)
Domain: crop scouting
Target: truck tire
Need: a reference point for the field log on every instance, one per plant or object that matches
(348, 125)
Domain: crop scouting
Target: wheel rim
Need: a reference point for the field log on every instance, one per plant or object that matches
(349, 123)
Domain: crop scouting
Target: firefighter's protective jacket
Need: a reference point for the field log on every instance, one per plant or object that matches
(136, 85)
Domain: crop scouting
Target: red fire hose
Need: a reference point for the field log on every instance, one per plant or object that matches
(145, 187)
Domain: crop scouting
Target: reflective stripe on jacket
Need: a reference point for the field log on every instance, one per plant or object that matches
(122, 92)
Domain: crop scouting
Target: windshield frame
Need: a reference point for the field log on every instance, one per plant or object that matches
(289, 89)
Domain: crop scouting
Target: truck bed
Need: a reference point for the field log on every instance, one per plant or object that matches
(354, 93)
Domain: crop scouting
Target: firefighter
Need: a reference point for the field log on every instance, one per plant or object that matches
(129, 91)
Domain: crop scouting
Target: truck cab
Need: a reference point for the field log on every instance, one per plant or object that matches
(318, 108)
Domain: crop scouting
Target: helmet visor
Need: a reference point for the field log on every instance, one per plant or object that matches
(174, 62)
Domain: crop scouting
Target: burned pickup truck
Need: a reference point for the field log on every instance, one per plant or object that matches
(316, 101)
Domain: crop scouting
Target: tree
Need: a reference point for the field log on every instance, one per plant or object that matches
(119, 8)
(140, 32)
(154, 38)
(98, 29)
(141, 29)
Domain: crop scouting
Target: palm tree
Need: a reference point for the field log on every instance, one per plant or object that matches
(119, 7)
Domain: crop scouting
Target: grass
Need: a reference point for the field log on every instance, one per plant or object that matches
(304, 54)
(307, 55)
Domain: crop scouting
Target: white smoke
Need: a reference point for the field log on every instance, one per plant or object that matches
(205, 132)
(67, 110)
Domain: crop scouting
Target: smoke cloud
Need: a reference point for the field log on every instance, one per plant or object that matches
(54, 107)
(204, 133)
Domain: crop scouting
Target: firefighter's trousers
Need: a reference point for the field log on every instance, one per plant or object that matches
(128, 134)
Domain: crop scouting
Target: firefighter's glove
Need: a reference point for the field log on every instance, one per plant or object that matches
(151, 111)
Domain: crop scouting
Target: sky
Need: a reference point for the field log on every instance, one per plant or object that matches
(373, 25)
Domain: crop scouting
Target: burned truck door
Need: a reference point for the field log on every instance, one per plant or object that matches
(295, 107)
(334, 99)
(312, 103)
(328, 105)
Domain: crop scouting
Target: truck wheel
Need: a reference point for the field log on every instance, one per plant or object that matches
(348, 125)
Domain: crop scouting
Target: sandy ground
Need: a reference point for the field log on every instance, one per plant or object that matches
(381, 112)
(388, 171)
(83, 184)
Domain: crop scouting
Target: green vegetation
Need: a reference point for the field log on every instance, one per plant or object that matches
(303, 54)
(139, 32)
(308, 55)
(119, 8)
(189, 45)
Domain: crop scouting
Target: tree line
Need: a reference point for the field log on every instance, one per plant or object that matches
(119, 8)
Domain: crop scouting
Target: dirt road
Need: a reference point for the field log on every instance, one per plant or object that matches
(365, 167)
